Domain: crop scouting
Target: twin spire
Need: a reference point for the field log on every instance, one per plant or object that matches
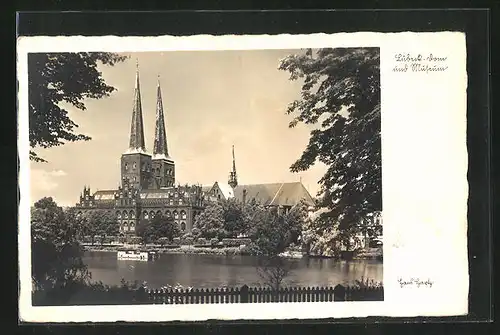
(137, 143)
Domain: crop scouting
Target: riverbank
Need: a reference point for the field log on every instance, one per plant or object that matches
(223, 251)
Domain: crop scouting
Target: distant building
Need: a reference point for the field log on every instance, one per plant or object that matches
(281, 195)
(148, 183)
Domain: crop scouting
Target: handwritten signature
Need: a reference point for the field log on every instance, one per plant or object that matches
(415, 282)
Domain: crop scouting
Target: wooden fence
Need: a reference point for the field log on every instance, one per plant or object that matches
(247, 294)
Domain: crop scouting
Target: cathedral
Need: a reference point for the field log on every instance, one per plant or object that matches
(148, 185)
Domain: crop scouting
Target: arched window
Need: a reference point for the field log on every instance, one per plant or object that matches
(132, 214)
(134, 166)
(131, 226)
(158, 212)
(171, 202)
(183, 226)
(151, 214)
(126, 166)
(176, 215)
(218, 196)
(145, 215)
(79, 214)
(125, 226)
(168, 214)
(125, 215)
(118, 215)
(180, 201)
(176, 195)
(183, 215)
(135, 178)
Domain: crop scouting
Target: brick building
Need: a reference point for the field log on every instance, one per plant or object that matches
(148, 183)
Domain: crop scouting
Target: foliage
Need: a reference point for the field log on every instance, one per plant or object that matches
(196, 232)
(55, 78)
(273, 271)
(210, 222)
(143, 230)
(235, 242)
(98, 222)
(95, 293)
(341, 94)
(272, 231)
(234, 222)
(158, 227)
(55, 252)
(367, 283)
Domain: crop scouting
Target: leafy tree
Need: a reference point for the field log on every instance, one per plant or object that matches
(234, 222)
(55, 252)
(163, 226)
(100, 222)
(55, 78)
(143, 230)
(341, 94)
(210, 222)
(269, 232)
(273, 271)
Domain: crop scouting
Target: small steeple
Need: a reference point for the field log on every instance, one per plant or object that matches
(137, 143)
(233, 179)
(160, 144)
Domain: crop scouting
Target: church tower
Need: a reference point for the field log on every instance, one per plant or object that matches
(136, 162)
(163, 166)
(233, 179)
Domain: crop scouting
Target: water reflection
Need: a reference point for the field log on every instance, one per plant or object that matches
(216, 271)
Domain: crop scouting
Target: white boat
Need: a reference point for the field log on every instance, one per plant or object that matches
(291, 254)
(136, 255)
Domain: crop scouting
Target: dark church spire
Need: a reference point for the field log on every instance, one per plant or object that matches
(160, 144)
(233, 180)
(137, 128)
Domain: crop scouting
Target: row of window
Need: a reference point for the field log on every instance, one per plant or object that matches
(146, 167)
(131, 226)
(151, 214)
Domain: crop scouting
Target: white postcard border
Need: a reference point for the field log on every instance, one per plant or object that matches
(423, 147)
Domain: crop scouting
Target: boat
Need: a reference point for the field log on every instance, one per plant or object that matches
(136, 255)
(291, 254)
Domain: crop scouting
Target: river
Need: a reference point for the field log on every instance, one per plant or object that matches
(211, 271)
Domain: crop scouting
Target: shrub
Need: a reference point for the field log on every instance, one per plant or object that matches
(176, 241)
(188, 240)
(214, 241)
(135, 240)
(202, 241)
(196, 232)
(235, 242)
(163, 240)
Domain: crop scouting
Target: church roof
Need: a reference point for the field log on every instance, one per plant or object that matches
(104, 195)
(226, 190)
(137, 143)
(160, 148)
(276, 194)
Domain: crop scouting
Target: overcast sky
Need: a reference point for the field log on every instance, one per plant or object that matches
(211, 99)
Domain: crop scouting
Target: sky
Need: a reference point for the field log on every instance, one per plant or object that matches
(211, 99)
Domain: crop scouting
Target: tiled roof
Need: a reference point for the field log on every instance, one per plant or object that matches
(206, 189)
(104, 195)
(279, 194)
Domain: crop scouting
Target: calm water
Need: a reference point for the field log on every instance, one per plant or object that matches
(216, 271)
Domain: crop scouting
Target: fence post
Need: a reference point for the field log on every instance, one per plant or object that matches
(339, 293)
(244, 294)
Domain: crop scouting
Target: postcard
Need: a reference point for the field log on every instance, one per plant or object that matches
(249, 177)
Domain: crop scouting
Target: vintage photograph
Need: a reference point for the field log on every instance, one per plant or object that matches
(205, 177)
